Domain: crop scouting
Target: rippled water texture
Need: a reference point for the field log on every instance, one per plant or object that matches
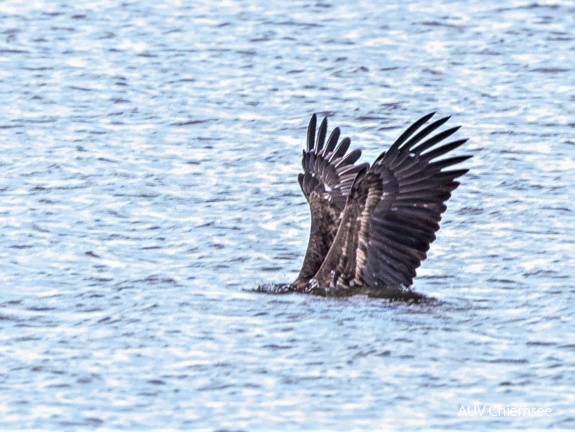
(150, 153)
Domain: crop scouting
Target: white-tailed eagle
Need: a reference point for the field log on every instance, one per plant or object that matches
(371, 226)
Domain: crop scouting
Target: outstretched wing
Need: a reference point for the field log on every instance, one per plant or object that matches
(328, 171)
(393, 212)
(326, 182)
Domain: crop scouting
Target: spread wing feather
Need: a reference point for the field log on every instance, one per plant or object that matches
(392, 212)
(326, 182)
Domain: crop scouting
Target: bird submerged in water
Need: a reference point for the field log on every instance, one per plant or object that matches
(371, 226)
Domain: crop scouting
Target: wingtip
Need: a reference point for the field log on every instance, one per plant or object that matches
(321, 133)
(311, 132)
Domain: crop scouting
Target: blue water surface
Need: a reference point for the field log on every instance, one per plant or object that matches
(149, 158)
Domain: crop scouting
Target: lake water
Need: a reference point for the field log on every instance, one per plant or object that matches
(150, 153)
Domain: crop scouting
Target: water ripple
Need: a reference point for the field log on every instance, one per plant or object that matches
(150, 161)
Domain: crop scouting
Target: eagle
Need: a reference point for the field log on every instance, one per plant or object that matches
(371, 226)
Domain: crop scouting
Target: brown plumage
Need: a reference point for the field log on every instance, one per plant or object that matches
(371, 227)
(326, 183)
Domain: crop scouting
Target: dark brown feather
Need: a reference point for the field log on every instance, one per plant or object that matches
(326, 181)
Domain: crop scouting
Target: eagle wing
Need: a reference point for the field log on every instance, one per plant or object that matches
(326, 182)
(392, 213)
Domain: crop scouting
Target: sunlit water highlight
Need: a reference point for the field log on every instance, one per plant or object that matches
(150, 153)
